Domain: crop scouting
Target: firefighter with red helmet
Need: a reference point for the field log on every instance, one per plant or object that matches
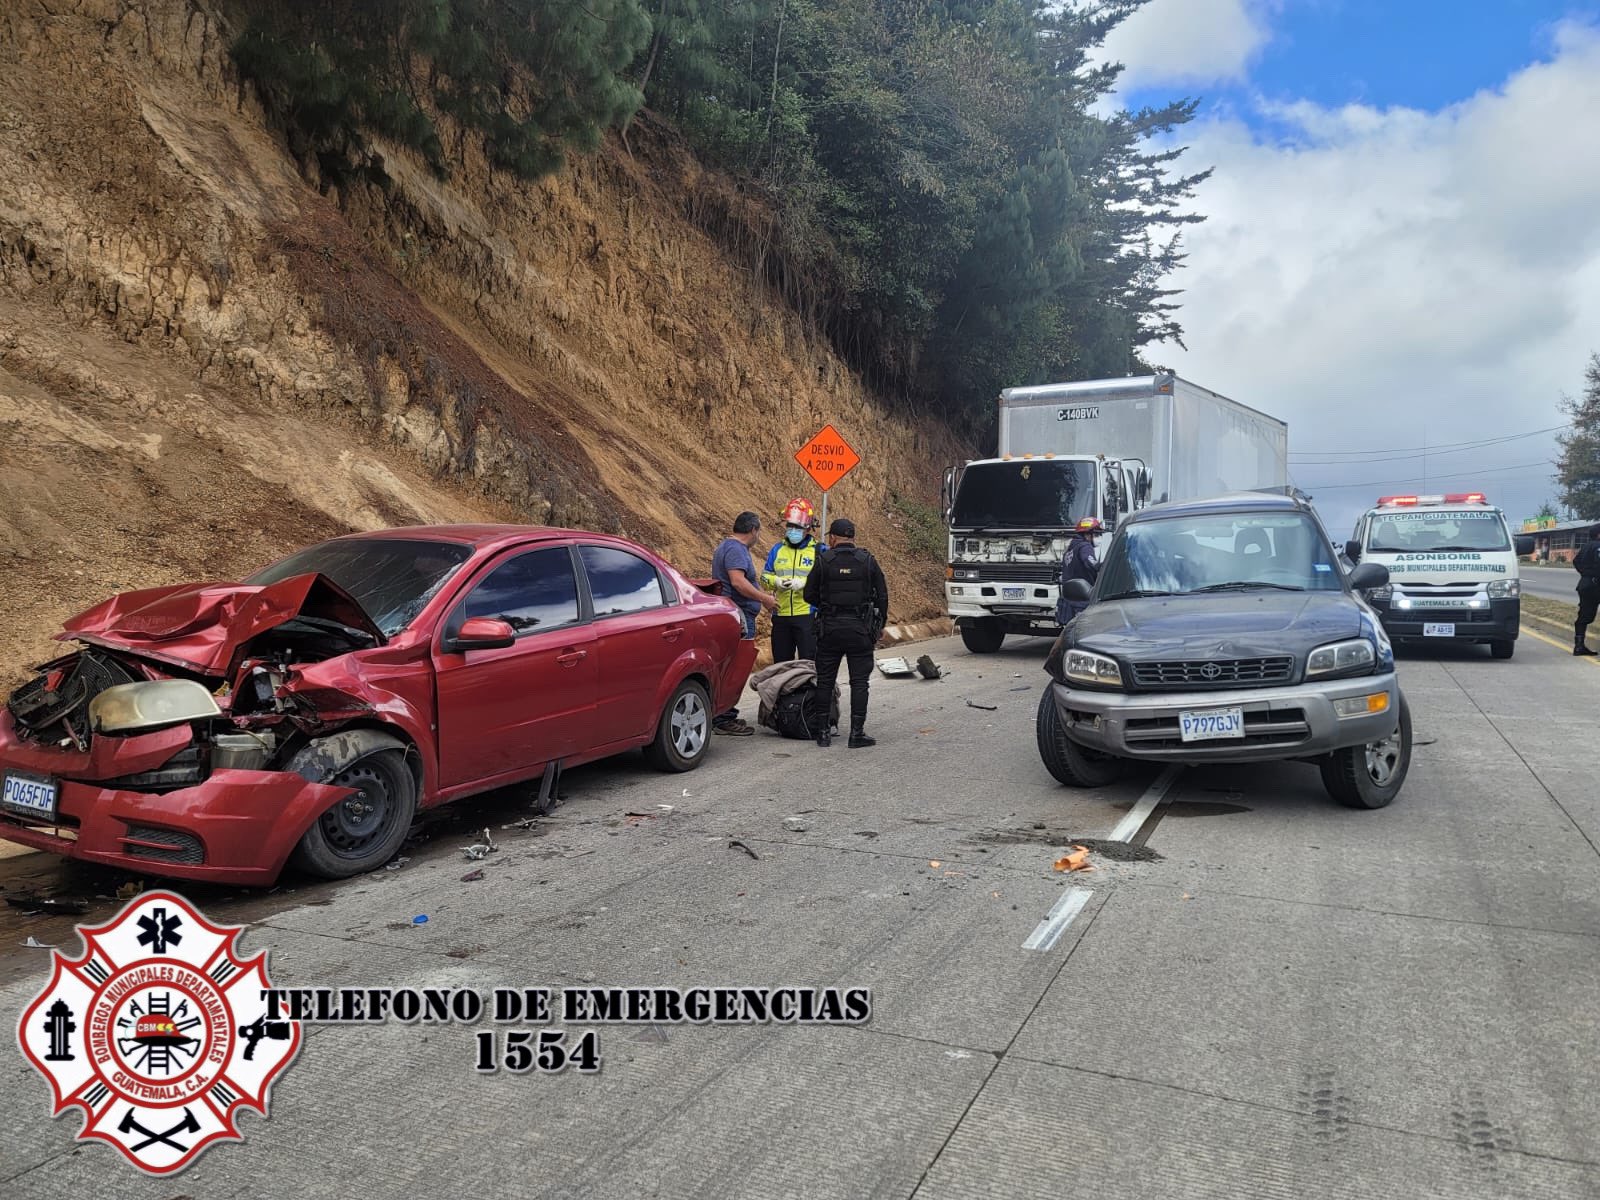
(788, 565)
(1079, 562)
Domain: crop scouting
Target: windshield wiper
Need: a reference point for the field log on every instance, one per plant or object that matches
(1136, 592)
(1461, 549)
(1246, 583)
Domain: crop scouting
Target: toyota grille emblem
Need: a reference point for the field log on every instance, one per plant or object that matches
(1210, 671)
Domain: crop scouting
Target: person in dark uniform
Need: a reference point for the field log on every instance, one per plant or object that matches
(1079, 562)
(851, 597)
(1587, 561)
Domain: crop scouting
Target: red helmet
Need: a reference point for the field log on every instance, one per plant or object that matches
(799, 512)
(1090, 527)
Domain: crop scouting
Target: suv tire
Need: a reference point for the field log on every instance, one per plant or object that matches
(1371, 775)
(1068, 762)
(1503, 649)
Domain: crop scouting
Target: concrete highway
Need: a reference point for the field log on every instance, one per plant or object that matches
(1553, 583)
(1286, 999)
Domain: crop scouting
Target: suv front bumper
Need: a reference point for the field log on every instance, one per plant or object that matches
(1280, 723)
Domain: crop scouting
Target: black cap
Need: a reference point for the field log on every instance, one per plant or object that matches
(746, 522)
(842, 527)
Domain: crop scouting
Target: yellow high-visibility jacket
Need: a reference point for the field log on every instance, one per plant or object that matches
(791, 562)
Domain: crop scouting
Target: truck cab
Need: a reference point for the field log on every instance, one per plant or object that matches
(1452, 565)
(1010, 519)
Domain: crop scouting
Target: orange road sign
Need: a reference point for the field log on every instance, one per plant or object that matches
(827, 457)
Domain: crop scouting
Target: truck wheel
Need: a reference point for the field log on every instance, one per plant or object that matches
(1503, 649)
(1370, 776)
(683, 731)
(364, 830)
(983, 636)
(1068, 762)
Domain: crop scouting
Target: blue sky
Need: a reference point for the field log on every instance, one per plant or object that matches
(1414, 53)
(1402, 243)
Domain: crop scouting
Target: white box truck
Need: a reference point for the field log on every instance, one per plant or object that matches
(1067, 451)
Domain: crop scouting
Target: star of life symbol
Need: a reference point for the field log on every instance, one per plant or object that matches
(158, 1033)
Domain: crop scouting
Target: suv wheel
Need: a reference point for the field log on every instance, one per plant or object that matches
(1503, 649)
(1370, 776)
(1068, 762)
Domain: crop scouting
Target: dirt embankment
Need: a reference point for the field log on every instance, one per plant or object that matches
(205, 362)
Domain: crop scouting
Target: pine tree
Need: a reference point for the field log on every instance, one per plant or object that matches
(1578, 468)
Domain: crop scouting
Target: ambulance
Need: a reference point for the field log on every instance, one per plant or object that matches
(1452, 570)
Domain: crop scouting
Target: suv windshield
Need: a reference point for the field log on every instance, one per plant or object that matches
(1032, 494)
(391, 579)
(1435, 529)
(1220, 552)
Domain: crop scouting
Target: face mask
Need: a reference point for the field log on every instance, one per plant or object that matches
(796, 536)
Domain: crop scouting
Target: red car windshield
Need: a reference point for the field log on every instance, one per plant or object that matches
(392, 579)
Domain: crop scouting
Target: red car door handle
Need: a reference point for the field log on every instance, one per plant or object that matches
(671, 635)
(571, 657)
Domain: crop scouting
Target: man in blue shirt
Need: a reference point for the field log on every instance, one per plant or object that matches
(733, 567)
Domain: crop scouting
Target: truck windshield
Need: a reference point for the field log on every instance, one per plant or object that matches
(1438, 529)
(1028, 494)
(1220, 552)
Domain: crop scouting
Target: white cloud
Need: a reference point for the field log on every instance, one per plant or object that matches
(1189, 41)
(1395, 277)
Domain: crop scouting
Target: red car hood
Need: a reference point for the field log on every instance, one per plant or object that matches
(201, 626)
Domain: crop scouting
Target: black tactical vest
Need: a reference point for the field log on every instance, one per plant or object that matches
(846, 585)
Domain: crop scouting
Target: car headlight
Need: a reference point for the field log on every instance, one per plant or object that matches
(1342, 658)
(1097, 670)
(966, 574)
(1381, 593)
(1504, 589)
(152, 704)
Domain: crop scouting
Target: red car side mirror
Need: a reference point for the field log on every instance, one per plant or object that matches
(482, 633)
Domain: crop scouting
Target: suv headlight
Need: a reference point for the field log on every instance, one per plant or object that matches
(1096, 670)
(1342, 658)
(1504, 589)
(1381, 593)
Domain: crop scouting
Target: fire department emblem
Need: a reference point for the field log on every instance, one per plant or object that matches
(158, 1033)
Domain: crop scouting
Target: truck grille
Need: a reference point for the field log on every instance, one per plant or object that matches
(1208, 673)
(1014, 572)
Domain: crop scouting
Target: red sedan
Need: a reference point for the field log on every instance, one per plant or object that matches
(211, 731)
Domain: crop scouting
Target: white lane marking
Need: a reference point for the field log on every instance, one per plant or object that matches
(1140, 812)
(1049, 930)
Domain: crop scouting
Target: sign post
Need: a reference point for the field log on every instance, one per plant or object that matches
(827, 458)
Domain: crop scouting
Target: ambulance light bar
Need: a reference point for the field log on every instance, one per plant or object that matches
(1451, 498)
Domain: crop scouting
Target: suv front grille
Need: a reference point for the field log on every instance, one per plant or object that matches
(1208, 673)
(1279, 727)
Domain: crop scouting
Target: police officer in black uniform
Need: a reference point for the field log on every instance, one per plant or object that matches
(1587, 561)
(851, 596)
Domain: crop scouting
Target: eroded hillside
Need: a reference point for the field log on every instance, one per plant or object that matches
(205, 361)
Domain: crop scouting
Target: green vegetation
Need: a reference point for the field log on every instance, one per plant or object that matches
(948, 206)
(924, 528)
(1578, 468)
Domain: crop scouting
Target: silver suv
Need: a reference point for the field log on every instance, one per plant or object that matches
(1227, 630)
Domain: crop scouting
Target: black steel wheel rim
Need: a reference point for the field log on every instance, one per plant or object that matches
(353, 825)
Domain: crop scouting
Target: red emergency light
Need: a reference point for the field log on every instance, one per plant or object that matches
(1397, 500)
(1465, 498)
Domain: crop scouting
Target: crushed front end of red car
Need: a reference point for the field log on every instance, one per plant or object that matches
(153, 747)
